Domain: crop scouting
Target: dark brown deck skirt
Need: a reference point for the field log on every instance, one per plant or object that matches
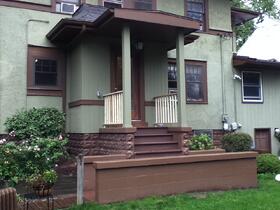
(122, 180)
(210, 151)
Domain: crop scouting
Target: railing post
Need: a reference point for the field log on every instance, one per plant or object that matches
(80, 179)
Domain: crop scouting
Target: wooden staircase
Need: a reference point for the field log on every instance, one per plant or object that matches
(155, 142)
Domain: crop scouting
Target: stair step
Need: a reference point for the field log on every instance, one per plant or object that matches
(155, 143)
(153, 137)
(152, 130)
(161, 153)
(158, 151)
(155, 146)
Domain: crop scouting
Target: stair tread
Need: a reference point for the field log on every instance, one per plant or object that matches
(157, 151)
(153, 135)
(155, 143)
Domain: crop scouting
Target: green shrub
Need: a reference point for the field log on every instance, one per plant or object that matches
(42, 122)
(236, 142)
(201, 142)
(268, 163)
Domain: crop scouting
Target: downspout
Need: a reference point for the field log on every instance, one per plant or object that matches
(27, 41)
(224, 112)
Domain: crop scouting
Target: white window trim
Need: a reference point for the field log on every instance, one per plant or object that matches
(261, 85)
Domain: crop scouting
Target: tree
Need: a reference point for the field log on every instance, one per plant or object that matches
(264, 7)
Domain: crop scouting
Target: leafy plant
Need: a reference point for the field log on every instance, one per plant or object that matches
(236, 142)
(268, 163)
(42, 122)
(47, 177)
(201, 142)
(23, 159)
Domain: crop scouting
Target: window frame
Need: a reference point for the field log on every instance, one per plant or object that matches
(204, 79)
(205, 14)
(130, 4)
(261, 87)
(46, 54)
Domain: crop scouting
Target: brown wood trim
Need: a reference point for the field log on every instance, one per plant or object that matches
(118, 130)
(174, 160)
(86, 102)
(156, 18)
(26, 5)
(150, 103)
(38, 92)
(91, 159)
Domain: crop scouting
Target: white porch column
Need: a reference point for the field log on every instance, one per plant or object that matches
(126, 76)
(181, 81)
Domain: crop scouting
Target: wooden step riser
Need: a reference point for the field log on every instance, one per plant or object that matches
(153, 139)
(151, 131)
(155, 147)
(158, 155)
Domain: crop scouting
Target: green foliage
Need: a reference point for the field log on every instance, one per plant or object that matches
(268, 163)
(47, 177)
(42, 122)
(21, 160)
(201, 142)
(264, 7)
(236, 142)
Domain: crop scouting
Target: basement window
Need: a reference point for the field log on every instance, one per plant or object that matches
(252, 87)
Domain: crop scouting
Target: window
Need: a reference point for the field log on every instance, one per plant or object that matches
(45, 71)
(113, 3)
(196, 80)
(67, 6)
(144, 4)
(195, 9)
(252, 87)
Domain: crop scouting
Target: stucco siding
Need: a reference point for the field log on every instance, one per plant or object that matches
(45, 2)
(169, 6)
(44, 101)
(19, 28)
(207, 48)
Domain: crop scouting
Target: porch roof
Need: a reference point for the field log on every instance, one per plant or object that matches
(244, 62)
(145, 25)
(240, 16)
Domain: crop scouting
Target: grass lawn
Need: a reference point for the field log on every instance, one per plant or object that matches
(266, 197)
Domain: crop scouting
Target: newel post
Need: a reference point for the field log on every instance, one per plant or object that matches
(126, 76)
(182, 112)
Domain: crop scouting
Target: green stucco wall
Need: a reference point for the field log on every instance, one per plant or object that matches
(88, 72)
(169, 6)
(19, 28)
(44, 101)
(45, 2)
(92, 2)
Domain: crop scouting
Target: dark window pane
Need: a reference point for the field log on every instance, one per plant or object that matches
(251, 79)
(252, 92)
(112, 5)
(45, 72)
(172, 84)
(144, 4)
(194, 91)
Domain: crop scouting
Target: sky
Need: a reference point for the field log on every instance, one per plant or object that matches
(264, 42)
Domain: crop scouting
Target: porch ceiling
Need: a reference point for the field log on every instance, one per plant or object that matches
(154, 26)
(240, 16)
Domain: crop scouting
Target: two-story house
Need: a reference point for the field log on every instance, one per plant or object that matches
(133, 76)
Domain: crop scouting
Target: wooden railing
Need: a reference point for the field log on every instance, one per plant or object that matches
(166, 109)
(113, 108)
(8, 199)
